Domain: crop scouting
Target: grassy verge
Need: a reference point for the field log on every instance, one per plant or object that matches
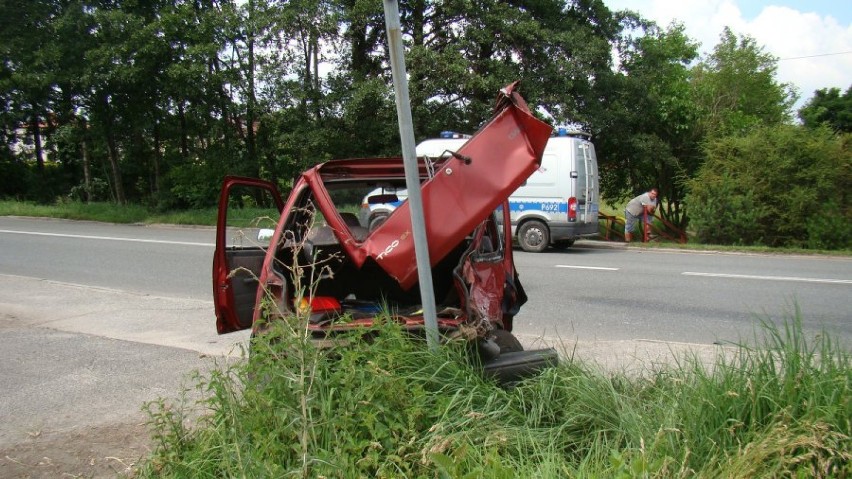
(108, 212)
(692, 246)
(390, 408)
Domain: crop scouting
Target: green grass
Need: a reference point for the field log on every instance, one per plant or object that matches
(107, 212)
(391, 408)
(693, 246)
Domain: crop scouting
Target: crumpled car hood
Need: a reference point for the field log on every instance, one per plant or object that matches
(466, 188)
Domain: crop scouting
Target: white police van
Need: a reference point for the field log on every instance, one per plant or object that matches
(555, 206)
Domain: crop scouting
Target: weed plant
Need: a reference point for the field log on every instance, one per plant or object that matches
(381, 404)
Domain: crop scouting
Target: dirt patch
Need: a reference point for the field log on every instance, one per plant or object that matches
(90, 452)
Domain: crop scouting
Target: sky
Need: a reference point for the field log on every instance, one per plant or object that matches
(811, 38)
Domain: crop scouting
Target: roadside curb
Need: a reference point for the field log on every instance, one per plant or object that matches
(630, 356)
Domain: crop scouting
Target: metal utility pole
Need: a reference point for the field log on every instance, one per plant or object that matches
(412, 172)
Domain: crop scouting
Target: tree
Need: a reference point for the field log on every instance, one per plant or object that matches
(735, 88)
(646, 131)
(300, 123)
(828, 107)
(162, 98)
(29, 55)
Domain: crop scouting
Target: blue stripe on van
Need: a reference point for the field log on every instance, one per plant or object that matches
(546, 206)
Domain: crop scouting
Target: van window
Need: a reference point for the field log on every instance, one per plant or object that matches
(581, 152)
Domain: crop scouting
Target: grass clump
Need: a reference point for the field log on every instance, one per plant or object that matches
(384, 405)
(293, 409)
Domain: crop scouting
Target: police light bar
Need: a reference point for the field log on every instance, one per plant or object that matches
(562, 131)
(452, 134)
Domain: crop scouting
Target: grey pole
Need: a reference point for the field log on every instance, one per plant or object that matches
(412, 173)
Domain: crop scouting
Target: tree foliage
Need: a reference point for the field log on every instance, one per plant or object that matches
(829, 107)
(776, 186)
(735, 88)
(160, 99)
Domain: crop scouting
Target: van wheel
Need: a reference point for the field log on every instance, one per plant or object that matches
(534, 236)
(563, 244)
(377, 220)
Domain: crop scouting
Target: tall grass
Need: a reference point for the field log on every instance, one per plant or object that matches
(384, 405)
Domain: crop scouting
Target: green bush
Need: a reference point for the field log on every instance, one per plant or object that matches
(778, 186)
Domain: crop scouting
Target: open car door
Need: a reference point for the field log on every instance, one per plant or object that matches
(248, 212)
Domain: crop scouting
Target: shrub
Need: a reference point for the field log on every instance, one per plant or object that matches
(778, 186)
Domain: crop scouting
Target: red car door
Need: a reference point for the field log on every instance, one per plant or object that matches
(249, 209)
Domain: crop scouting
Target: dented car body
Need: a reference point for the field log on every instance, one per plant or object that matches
(320, 256)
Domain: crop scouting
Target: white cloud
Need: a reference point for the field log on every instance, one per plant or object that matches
(806, 43)
(786, 33)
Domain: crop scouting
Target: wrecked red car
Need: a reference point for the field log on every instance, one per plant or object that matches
(319, 256)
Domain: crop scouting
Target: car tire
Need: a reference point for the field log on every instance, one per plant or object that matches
(377, 220)
(534, 236)
(507, 341)
(563, 244)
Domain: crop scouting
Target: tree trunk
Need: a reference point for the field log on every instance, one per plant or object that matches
(184, 143)
(157, 157)
(251, 103)
(84, 150)
(118, 187)
(35, 129)
(315, 86)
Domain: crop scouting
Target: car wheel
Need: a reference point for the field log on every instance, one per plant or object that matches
(377, 220)
(534, 236)
(563, 244)
(507, 341)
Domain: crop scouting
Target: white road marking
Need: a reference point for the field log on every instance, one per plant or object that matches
(600, 268)
(769, 278)
(108, 238)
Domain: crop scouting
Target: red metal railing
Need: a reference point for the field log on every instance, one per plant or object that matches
(613, 229)
(609, 223)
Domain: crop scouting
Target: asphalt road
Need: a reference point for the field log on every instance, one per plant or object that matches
(691, 297)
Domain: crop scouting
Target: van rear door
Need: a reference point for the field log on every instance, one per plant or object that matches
(586, 183)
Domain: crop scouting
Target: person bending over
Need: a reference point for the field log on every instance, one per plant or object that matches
(635, 210)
